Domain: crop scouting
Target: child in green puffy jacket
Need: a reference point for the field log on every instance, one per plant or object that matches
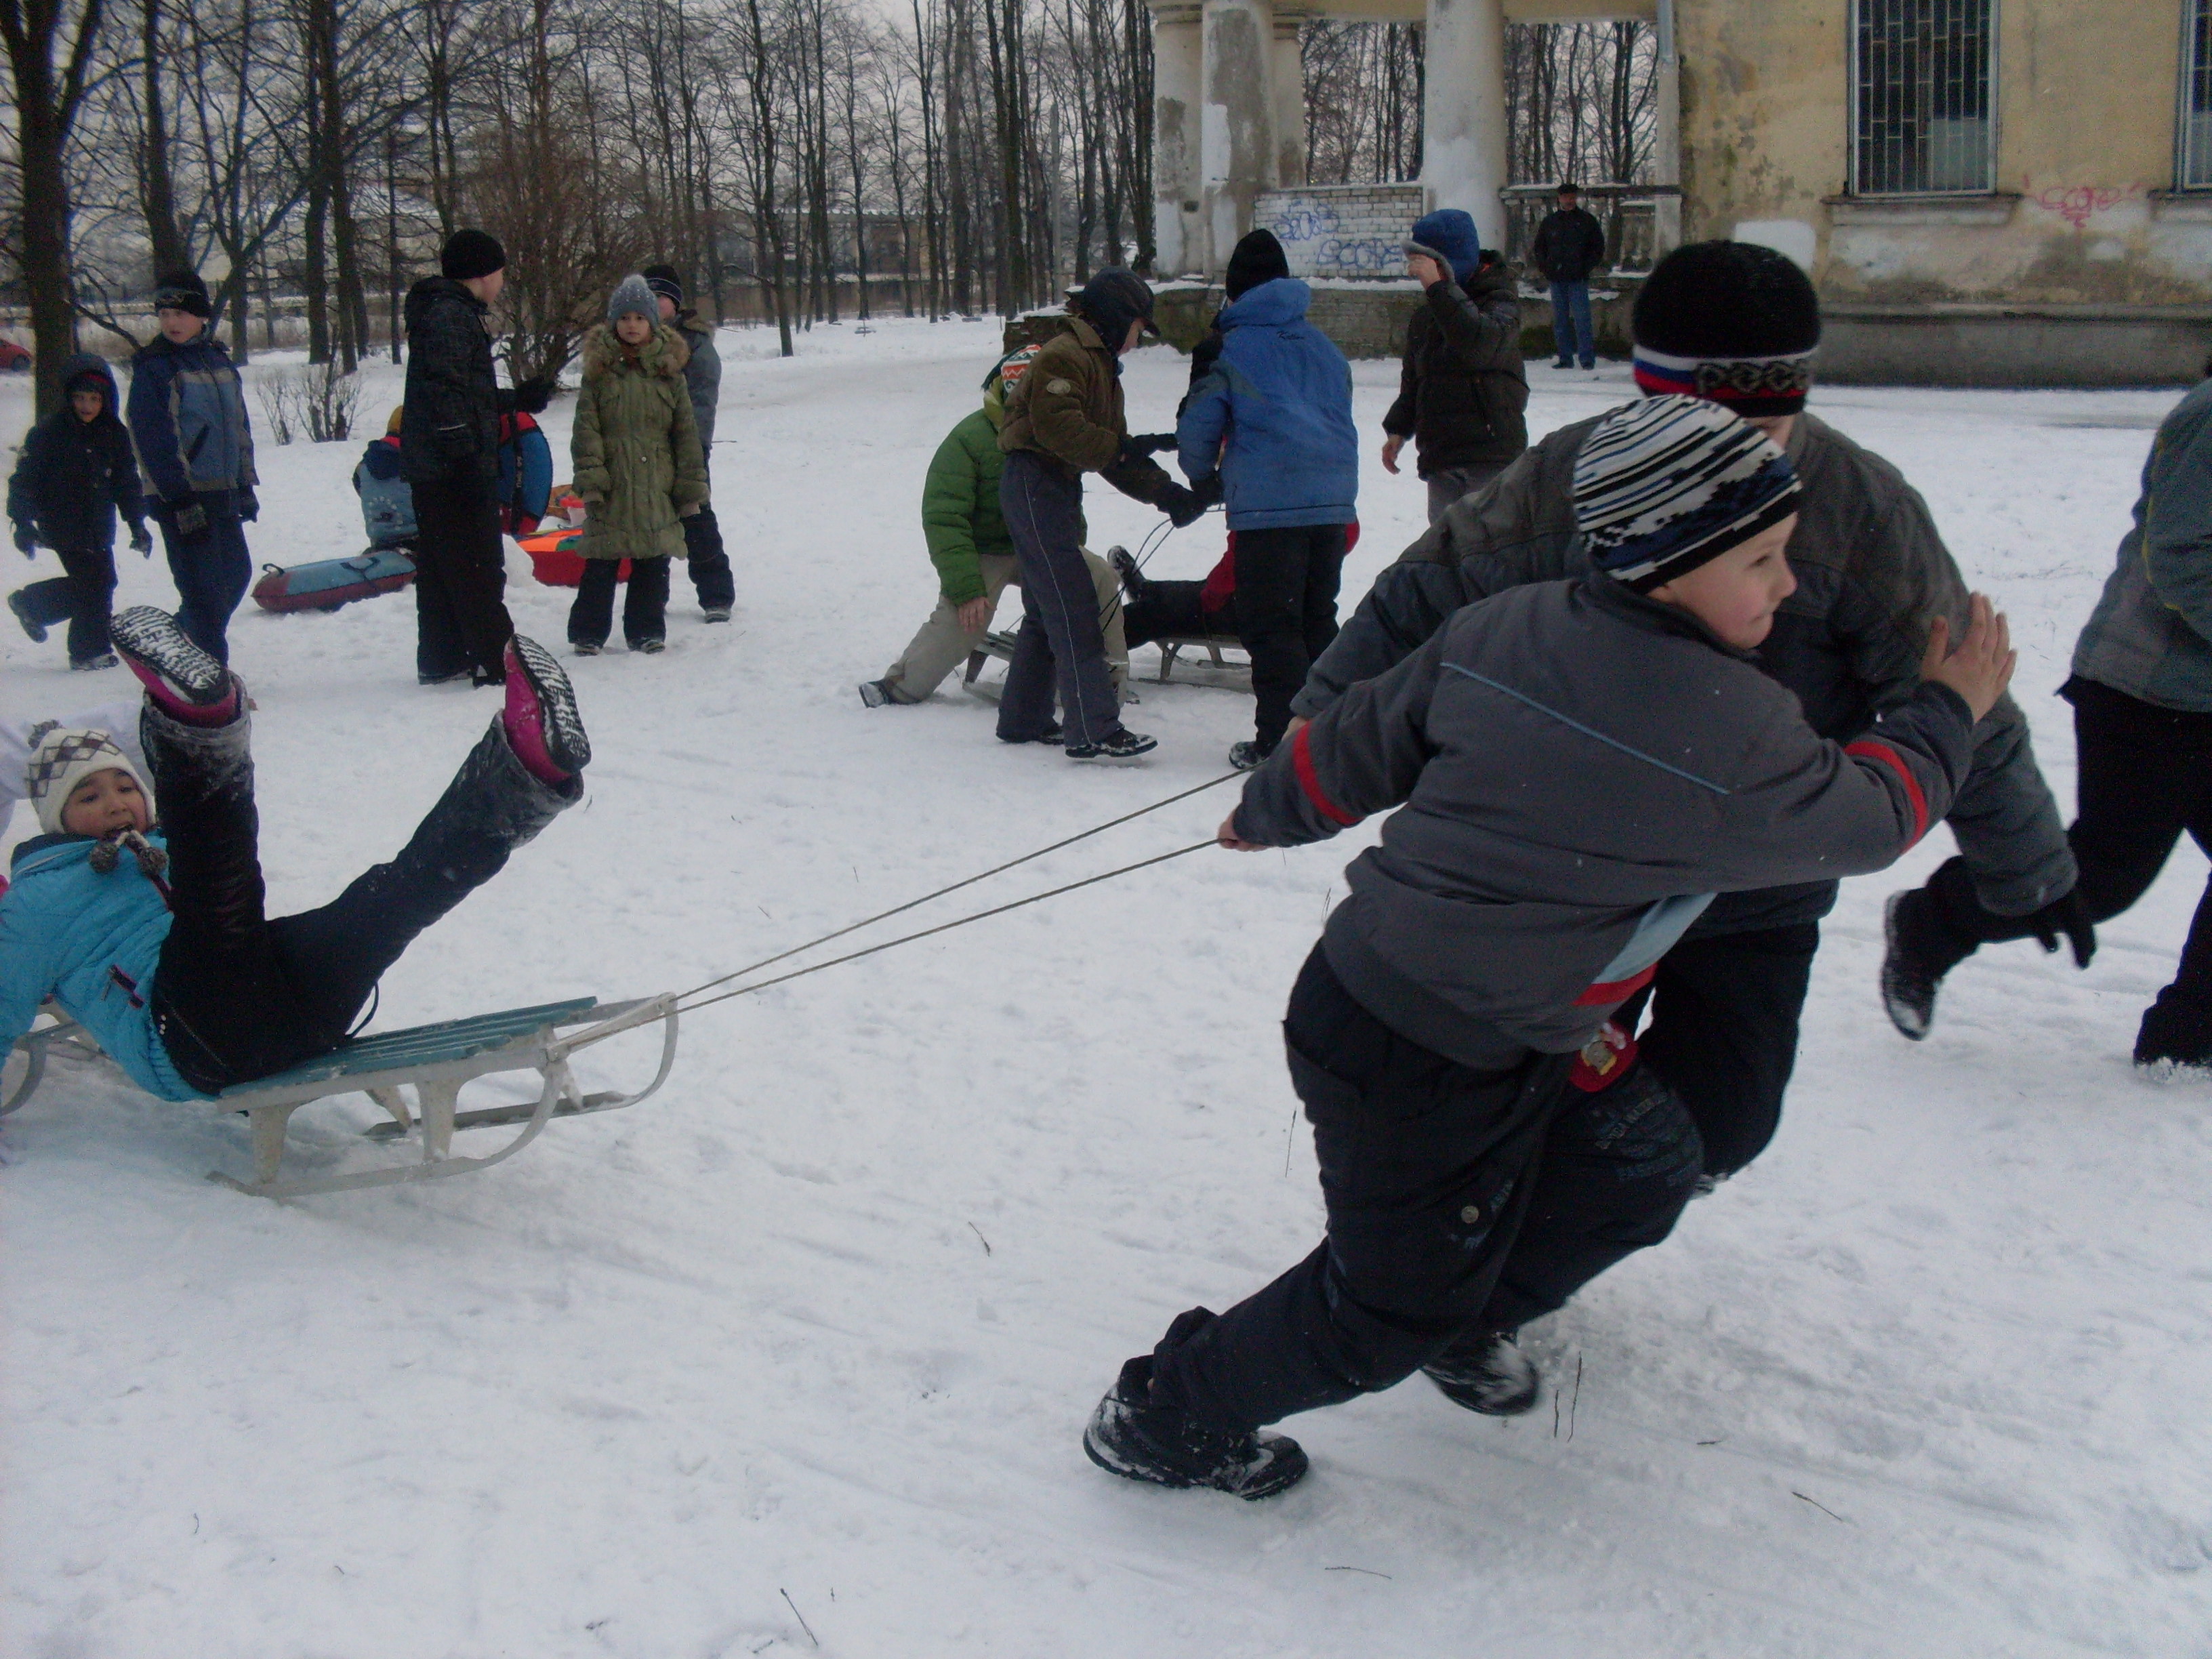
(974, 554)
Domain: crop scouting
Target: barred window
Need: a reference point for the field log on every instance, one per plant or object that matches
(1921, 97)
(2196, 98)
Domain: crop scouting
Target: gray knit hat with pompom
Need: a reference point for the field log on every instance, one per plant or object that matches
(631, 294)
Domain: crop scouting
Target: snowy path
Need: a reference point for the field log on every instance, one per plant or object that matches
(814, 1332)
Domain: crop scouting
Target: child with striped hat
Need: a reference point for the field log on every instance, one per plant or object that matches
(1583, 765)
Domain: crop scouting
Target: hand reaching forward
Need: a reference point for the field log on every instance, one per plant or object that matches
(1981, 668)
(1227, 836)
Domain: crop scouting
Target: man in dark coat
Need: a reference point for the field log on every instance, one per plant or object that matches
(1570, 245)
(76, 472)
(708, 561)
(449, 453)
(1460, 390)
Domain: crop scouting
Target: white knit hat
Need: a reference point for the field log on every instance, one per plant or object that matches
(64, 757)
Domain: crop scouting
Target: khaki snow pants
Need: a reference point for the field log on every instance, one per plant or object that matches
(943, 645)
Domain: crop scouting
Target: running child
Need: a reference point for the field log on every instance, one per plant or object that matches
(140, 909)
(75, 474)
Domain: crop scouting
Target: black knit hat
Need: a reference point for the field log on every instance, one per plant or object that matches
(1257, 258)
(1730, 321)
(1111, 301)
(469, 253)
(182, 290)
(665, 282)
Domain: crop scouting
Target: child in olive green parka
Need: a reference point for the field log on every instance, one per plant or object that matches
(638, 466)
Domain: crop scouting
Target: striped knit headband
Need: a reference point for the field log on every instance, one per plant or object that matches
(1775, 385)
(1662, 486)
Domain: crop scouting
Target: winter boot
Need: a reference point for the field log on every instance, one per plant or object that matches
(2176, 1031)
(714, 613)
(1120, 744)
(540, 721)
(1131, 1437)
(1485, 1371)
(1924, 944)
(1134, 582)
(181, 680)
(649, 647)
(1053, 734)
(1248, 756)
(94, 665)
(31, 624)
(877, 694)
(447, 678)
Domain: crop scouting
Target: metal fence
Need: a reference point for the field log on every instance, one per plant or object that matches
(2194, 172)
(1922, 70)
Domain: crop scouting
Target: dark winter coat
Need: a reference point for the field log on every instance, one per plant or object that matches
(2151, 633)
(1580, 769)
(1461, 391)
(703, 377)
(1570, 245)
(638, 464)
(1068, 408)
(1278, 397)
(1872, 575)
(188, 419)
(74, 476)
(449, 428)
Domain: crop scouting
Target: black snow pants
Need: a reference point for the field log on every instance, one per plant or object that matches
(709, 561)
(460, 580)
(1166, 611)
(1429, 1171)
(238, 995)
(83, 599)
(1061, 646)
(645, 606)
(1286, 585)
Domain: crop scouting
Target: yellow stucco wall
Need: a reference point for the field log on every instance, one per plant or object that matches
(2086, 112)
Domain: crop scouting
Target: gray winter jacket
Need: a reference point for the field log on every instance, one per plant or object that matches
(2151, 634)
(1581, 770)
(702, 378)
(1872, 574)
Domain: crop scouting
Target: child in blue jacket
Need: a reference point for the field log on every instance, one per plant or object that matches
(195, 446)
(1269, 429)
(150, 932)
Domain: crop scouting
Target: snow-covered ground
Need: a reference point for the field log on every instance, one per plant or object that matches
(813, 1335)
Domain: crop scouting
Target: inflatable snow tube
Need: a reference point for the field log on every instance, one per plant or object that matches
(329, 583)
(525, 475)
(555, 560)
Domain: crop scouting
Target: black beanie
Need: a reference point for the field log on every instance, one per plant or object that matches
(1257, 258)
(182, 290)
(1734, 322)
(471, 253)
(665, 282)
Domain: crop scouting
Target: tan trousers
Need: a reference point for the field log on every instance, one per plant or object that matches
(943, 645)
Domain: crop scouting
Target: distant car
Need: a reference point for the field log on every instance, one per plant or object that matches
(13, 359)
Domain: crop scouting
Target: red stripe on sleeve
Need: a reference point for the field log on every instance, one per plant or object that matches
(1620, 990)
(1309, 781)
(1865, 749)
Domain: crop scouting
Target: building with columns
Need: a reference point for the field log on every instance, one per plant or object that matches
(1992, 192)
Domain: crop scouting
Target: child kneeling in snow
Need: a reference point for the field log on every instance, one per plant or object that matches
(152, 935)
(1582, 766)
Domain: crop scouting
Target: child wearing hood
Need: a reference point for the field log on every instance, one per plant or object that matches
(639, 468)
(75, 474)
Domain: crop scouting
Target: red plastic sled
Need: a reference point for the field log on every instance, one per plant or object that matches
(555, 560)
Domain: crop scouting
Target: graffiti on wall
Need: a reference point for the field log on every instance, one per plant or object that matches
(2077, 203)
(1321, 239)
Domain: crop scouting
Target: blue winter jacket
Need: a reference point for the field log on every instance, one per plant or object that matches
(1279, 395)
(188, 419)
(91, 942)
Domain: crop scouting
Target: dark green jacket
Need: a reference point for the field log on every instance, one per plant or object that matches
(635, 446)
(960, 515)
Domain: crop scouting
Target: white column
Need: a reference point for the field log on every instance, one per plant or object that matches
(1177, 53)
(1289, 71)
(1237, 132)
(1667, 137)
(1463, 153)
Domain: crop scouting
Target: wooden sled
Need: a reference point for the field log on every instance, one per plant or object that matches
(433, 1061)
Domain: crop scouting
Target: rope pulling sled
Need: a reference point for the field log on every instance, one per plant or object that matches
(435, 1060)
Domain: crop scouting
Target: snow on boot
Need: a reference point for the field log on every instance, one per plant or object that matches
(181, 680)
(1487, 1373)
(1131, 1437)
(1248, 756)
(1133, 580)
(32, 626)
(1924, 945)
(1120, 744)
(2175, 1032)
(541, 722)
(877, 694)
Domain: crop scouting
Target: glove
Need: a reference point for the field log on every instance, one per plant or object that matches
(190, 520)
(1181, 505)
(1152, 443)
(142, 539)
(531, 395)
(1208, 489)
(247, 503)
(27, 539)
(2065, 916)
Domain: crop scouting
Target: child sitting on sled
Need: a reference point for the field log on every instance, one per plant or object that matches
(149, 929)
(1578, 767)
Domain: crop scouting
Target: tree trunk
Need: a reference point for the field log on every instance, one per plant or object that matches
(158, 190)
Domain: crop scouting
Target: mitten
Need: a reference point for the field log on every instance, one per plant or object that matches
(1208, 489)
(531, 395)
(191, 520)
(1153, 443)
(1181, 505)
(2065, 916)
(142, 539)
(27, 539)
(247, 503)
